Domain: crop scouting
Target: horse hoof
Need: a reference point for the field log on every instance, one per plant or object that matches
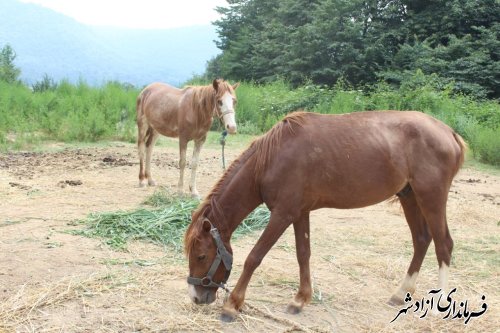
(395, 301)
(141, 184)
(293, 309)
(151, 183)
(195, 195)
(226, 317)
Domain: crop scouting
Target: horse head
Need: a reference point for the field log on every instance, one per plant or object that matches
(226, 103)
(210, 261)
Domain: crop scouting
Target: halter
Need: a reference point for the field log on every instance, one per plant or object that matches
(220, 114)
(222, 255)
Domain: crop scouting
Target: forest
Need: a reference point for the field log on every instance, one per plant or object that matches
(361, 42)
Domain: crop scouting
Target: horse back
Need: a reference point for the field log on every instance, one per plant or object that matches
(400, 139)
(158, 106)
(355, 160)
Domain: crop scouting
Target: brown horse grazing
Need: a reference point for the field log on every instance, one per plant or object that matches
(185, 113)
(310, 161)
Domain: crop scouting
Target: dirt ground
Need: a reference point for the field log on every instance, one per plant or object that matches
(52, 281)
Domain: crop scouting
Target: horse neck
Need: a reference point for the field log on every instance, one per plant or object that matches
(235, 199)
(205, 101)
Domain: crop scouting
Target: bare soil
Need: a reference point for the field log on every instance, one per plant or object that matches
(51, 280)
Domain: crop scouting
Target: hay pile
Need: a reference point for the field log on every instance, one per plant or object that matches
(163, 224)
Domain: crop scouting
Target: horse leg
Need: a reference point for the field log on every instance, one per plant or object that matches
(142, 177)
(194, 165)
(303, 249)
(150, 143)
(182, 164)
(141, 145)
(421, 240)
(432, 202)
(277, 225)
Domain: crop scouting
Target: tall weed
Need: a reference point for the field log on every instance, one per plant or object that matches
(67, 112)
(79, 112)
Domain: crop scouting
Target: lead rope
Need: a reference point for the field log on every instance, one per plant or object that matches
(222, 141)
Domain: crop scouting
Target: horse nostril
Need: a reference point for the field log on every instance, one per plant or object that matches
(196, 300)
(227, 126)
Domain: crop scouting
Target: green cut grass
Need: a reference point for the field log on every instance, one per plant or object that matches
(163, 224)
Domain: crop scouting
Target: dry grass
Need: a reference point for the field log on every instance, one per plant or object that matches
(29, 302)
(353, 274)
(358, 258)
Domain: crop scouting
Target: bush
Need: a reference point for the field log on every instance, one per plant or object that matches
(485, 143)
(67, 112)
(70, 112)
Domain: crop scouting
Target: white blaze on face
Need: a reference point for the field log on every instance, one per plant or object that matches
(192, 292)
(227, 110)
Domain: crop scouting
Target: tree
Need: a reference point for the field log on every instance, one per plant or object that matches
(362, 41)
(458, 40)
(47, 83)
(8, 71)
(302, 40)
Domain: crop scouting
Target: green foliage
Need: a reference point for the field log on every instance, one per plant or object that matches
(361, 41)
(165, 224)
(485, 143)
(67, 112)
(469, 62)
(8, 71)
(261, 106)
(47, 83)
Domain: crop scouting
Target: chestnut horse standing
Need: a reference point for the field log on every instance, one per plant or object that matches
(310, 161)
(185, 113)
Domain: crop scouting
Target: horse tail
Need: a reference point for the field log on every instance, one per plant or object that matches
(138, 106)
(463, 148)
(140, 102)
(145, 131)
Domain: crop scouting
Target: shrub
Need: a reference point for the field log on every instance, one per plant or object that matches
(70, 112)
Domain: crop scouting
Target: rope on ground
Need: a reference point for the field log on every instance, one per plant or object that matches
(294, 326)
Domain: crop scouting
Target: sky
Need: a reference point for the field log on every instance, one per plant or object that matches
(144, 14)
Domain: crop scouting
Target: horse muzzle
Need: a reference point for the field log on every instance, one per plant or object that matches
(228, 119)
(231, 129)
(201, 295)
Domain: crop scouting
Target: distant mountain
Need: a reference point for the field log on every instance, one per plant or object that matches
(52, 43)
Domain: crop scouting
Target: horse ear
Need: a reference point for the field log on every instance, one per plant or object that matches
(215, 84)
(207, 226)
(236, 85)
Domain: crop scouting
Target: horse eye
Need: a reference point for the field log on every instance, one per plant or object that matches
(219, 102)
(235, 101)
(202, 257)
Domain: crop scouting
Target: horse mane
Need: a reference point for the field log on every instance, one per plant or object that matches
(267, 145)
(261, 150)
(205, 97)
(210, 204)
